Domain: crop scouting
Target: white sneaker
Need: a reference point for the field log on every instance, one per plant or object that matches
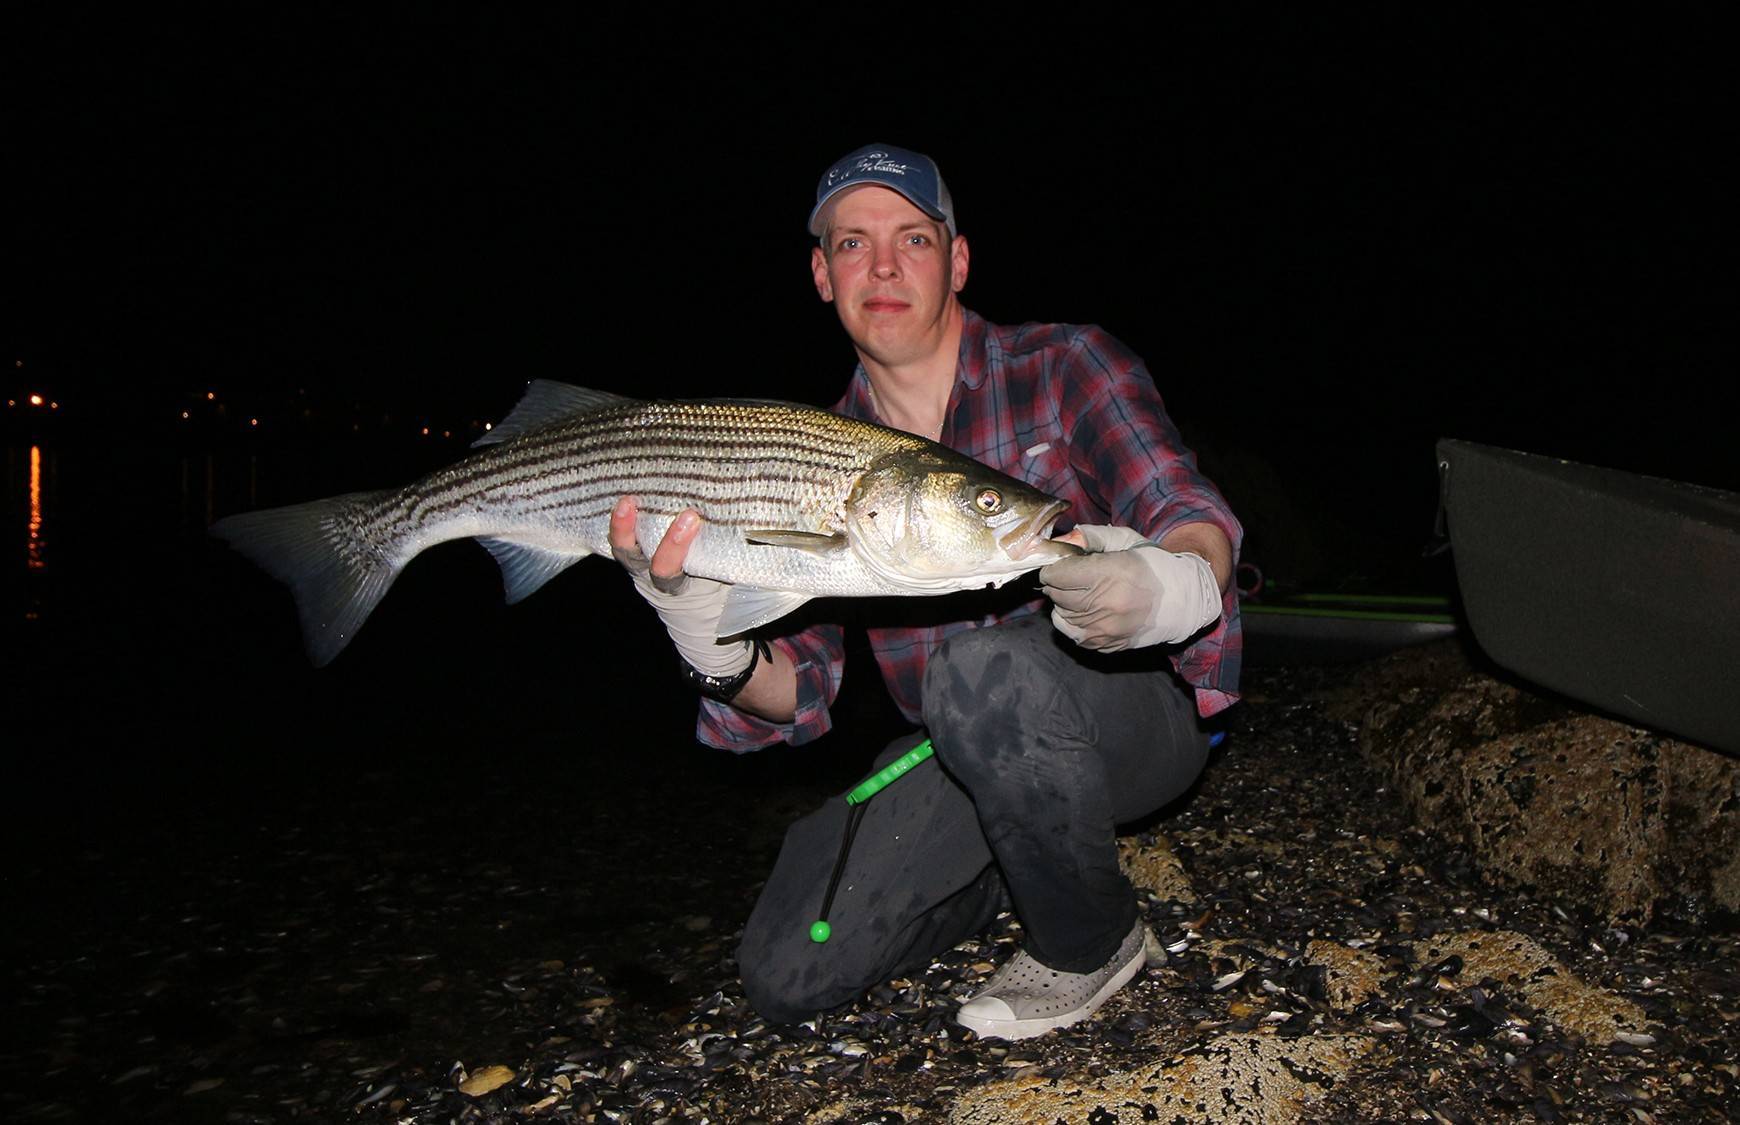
(1024, 998)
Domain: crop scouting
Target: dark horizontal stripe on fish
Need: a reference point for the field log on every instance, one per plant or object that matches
(735, 445)
(673, 506)
(525, 494)
(656, 503)
(801, 474)
(516, 462)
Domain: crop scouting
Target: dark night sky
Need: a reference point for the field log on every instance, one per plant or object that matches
(1331, 243)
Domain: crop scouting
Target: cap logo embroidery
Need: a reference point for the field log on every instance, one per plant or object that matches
(869, 162)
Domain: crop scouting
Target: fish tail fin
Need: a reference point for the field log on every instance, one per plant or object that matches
(331, 554)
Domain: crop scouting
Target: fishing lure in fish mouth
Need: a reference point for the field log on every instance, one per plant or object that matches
(820, 930)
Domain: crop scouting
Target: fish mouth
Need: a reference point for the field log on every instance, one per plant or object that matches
(1030, 540)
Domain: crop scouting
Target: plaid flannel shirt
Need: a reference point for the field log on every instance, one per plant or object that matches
(1070, 410)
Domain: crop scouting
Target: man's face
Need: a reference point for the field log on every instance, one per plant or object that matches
(891, 271)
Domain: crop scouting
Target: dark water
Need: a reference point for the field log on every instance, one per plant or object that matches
(149, 667)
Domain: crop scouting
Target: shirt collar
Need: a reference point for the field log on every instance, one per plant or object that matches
(968, 368)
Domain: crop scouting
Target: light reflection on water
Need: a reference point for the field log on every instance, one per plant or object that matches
(31, 495)
(88, 516)
(34, 557)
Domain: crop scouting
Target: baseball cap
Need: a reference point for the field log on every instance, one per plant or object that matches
(912, 174)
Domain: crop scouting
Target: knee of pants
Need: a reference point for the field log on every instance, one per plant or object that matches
(778, 993)
(789, 979)
(990, 691)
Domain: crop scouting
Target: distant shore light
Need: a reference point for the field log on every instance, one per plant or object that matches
(36, 400)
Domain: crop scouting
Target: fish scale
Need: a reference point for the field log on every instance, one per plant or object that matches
(797, 503)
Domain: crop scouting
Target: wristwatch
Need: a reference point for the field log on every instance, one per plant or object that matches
(725, 688)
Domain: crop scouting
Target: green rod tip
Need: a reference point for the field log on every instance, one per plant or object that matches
(820, 932)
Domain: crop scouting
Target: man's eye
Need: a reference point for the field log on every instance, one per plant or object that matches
(918, 240)
(850, 243)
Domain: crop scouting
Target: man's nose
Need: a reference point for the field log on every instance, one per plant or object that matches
(885, 263)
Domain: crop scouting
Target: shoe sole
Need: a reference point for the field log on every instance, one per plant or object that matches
(1039, 1025)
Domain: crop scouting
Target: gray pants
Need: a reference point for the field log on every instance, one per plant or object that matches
(1041, 749)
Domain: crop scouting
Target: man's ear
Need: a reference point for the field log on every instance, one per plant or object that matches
(958, 261)
(819, 271)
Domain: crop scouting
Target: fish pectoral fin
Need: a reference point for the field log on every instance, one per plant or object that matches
(547, 401)
(749, 607)
(813, 541)
(524, 569)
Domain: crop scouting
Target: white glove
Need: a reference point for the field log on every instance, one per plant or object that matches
(690, 607)
(1129, 593)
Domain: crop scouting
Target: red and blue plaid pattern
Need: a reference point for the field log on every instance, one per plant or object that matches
(1072, 411)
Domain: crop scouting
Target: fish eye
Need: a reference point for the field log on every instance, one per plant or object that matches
(988, 501)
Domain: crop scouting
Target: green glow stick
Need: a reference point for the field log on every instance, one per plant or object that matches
(820, 931)
(889, 774)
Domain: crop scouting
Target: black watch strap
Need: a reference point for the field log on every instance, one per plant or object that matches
(725, 688)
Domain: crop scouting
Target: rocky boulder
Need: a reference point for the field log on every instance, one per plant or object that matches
(1616, 819)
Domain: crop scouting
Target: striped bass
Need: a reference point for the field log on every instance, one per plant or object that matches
(798, 503)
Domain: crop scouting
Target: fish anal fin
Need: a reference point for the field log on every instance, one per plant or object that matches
(547, 401)
(812, 541)
(525, 568)
(750, 607)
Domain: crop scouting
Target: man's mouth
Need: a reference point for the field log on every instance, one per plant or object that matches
(886, 304)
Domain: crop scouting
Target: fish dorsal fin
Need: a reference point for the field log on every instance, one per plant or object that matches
(812, 541)
(750, 607)
(524, 569)
(546, 401)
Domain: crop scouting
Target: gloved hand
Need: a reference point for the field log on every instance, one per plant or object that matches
(1128, 593)
(689, 606)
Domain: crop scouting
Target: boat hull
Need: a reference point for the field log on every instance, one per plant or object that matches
(1619, 590)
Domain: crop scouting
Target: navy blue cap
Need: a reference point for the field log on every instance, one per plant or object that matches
(912, 174)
